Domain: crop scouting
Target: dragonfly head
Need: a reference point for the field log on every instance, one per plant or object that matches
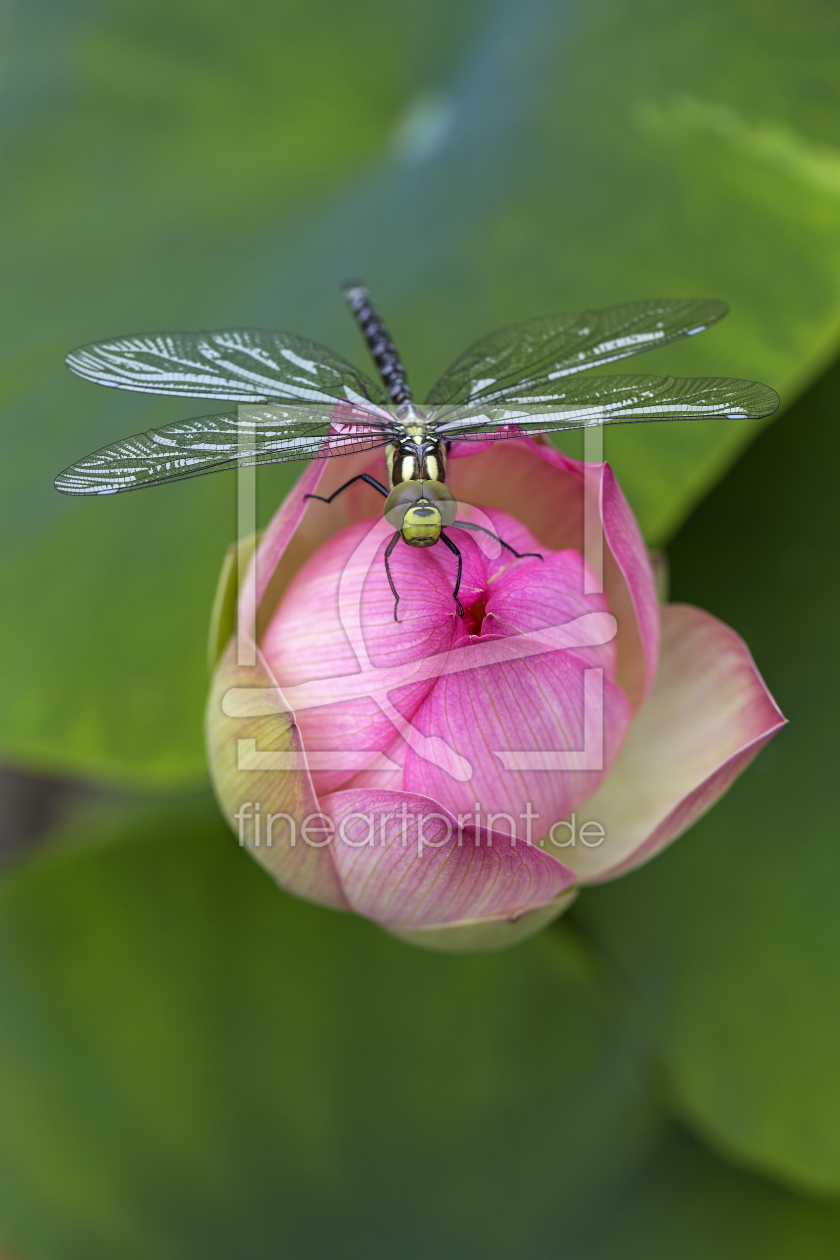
(419, 510)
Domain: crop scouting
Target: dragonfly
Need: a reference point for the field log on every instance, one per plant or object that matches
(298, 400)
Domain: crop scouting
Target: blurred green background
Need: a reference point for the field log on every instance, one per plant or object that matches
(193, 1064)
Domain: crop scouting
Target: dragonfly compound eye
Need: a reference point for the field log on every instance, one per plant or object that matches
(400, 500)
(441, 497)
(420, 509)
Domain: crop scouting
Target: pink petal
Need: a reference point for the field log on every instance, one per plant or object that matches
(491, 932)
(498, 709)
(300, 526)
(707, 716)
(546, 490)
(528, 479)
(630, 584)
(336, 625)
(403, 862)
(493, 714)
(316, 650)
(234, 744)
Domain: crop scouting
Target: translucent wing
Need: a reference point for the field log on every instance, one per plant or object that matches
(279, 433)
(594, 400)
(515, 359)
(237, 364)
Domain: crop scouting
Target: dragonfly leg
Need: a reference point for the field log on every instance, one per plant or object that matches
(371, 481)
(391, 545)
(450, 544)
(520, 555)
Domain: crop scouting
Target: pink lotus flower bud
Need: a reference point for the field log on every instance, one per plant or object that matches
(459, 779)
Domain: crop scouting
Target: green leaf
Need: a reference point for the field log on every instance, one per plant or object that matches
(194, 1064)
(732, 938)
(146, 145)
(194, 165)
(683, 1202)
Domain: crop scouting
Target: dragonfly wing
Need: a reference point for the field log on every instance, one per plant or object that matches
(236, 364)
(205, 444)
(516, 358)
(596, 400)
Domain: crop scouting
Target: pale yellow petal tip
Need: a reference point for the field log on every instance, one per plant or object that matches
(661, 575)
(223, 614)
(472, 936)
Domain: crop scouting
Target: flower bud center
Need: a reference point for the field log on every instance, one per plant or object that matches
(475, 614)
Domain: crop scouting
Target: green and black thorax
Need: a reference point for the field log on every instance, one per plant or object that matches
(417, 455)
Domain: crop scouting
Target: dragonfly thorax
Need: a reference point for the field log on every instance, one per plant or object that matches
(409, 414)
(416, 454)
